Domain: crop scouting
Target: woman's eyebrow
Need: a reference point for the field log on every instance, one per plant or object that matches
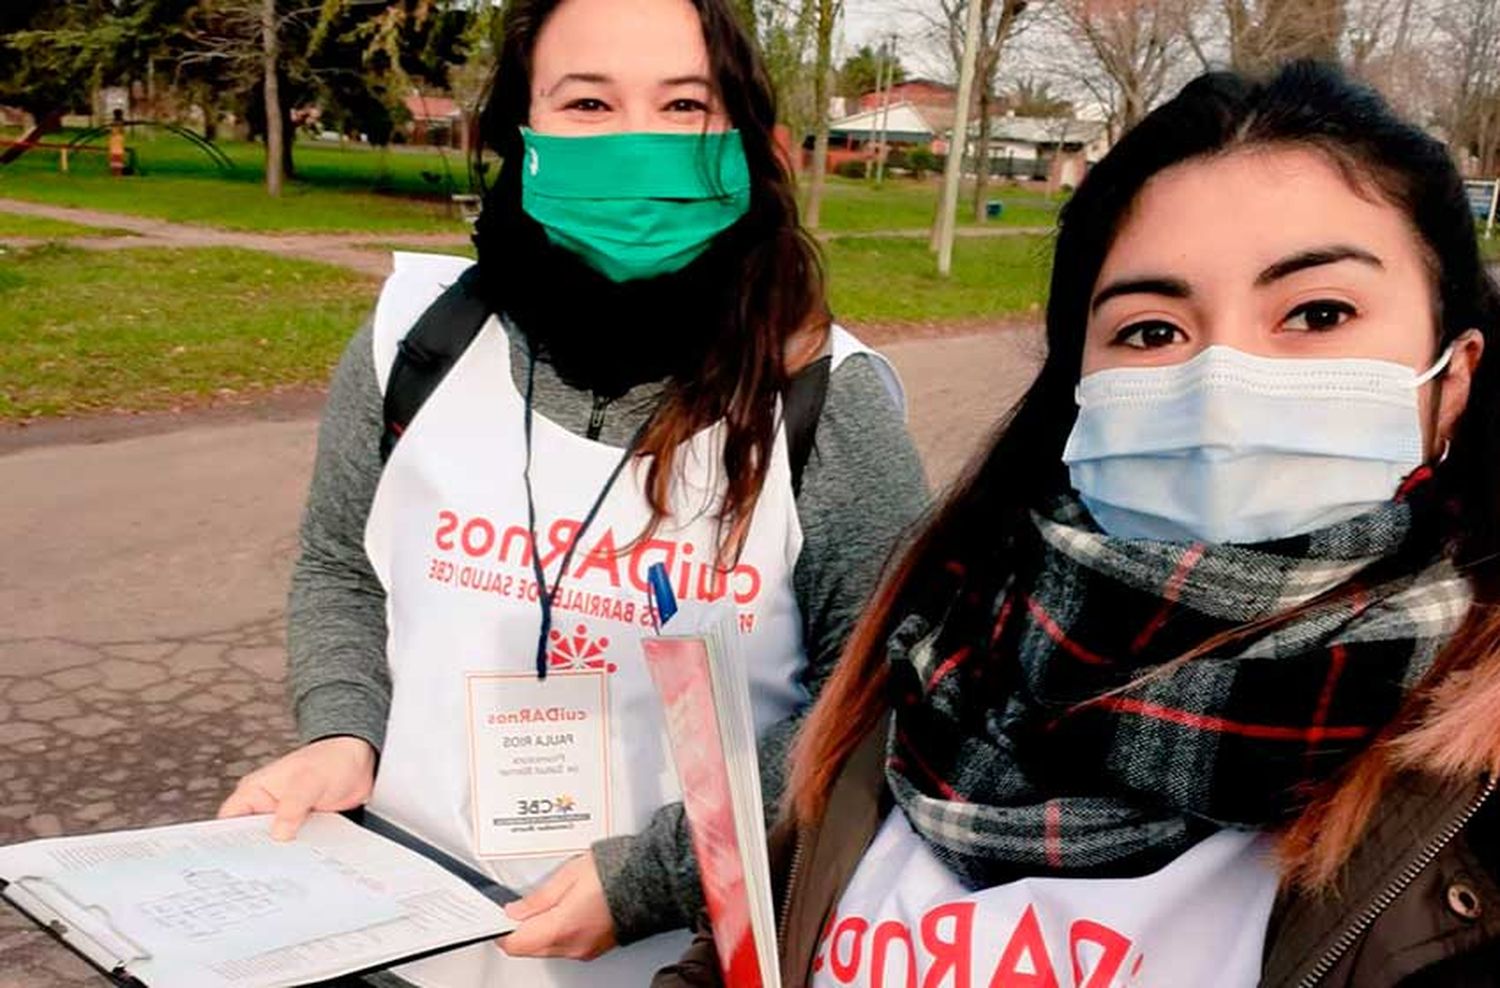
(1146, 285)
(688, 80)
(594, 78)
(1313, 258)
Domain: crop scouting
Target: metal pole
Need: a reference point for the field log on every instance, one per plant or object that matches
(1489, 226)
(885, 114)
(947, 218)
(873, 133)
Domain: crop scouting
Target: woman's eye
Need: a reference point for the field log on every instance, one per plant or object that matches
(1318, 316)
(687, 106)
(588, 105)
(1149, 335)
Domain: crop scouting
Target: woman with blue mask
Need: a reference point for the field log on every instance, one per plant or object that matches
(639, 370)
(1195, 680)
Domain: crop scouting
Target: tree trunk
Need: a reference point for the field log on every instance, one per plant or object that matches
(210, 120)
(982, 156)
(1132, 108)
(1238, 19)
(276, 150)
(823, 71)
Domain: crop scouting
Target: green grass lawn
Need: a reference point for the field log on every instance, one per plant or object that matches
(13, 225)
(354, 188)
(83, 335)
(352, 167)
(852, 205)
(147, 328)
(338, 189)
(891, 280)
(150, 327)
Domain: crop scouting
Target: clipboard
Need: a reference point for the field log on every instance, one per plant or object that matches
(476, 879)
(105, 959)
(87, 932)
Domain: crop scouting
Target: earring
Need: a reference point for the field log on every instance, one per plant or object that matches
(1447, 448)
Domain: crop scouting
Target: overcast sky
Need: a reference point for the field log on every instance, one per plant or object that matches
(1029, 55)
(868, 21)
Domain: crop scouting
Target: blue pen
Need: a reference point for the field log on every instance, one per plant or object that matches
(661, 592)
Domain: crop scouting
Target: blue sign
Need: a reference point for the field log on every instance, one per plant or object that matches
(1481, 197)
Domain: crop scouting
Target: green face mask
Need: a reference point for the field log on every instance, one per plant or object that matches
(635, 205)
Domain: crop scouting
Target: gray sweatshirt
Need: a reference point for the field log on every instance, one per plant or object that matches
(863, 485)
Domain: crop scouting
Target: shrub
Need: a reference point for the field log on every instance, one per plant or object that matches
(921, 161)
(850, 169)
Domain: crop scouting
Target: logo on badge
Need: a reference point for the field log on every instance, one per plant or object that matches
(563, 803)
(579, 651)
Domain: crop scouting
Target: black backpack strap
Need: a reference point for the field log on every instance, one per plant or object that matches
(428, 351)
(444, 331)
(801, 407)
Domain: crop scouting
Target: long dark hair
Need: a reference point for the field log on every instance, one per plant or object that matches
(980, 523)
(762, 311)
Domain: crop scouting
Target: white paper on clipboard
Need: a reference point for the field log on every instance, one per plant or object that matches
(216, 904)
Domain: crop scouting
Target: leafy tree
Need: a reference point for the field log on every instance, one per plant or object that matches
(861, 73)
(355, 58)
(54, 53)
(786, 33)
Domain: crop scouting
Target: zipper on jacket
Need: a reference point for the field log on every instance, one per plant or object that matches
(791, 885)
(1402, 881)
(596, 417)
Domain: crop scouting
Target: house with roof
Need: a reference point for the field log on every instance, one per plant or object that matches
(1059, 150)
(857, 137)
(935, 99)
(906, 125)
(437, 121)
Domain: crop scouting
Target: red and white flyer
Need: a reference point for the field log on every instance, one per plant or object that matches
(699, 671)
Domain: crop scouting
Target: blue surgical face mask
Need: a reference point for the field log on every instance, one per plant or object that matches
(1229, 447)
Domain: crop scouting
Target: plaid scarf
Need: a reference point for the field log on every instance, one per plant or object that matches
(1025, 741)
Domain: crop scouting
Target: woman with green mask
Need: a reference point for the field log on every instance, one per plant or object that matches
(654, 379)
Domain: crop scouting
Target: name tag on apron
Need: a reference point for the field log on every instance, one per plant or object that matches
(538, 763)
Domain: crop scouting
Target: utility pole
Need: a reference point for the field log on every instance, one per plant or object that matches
(874, 131)
(882, 150)
(953, 170)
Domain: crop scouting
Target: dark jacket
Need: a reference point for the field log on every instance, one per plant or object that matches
(1418, 907)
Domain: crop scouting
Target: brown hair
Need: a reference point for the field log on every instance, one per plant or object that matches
(1447, 725)
(767, 321)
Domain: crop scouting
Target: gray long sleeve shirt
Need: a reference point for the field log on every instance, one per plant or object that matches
(862, 486)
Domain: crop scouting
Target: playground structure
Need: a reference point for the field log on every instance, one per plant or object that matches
(84, 143)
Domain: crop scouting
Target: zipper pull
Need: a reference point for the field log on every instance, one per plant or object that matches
(596, 417)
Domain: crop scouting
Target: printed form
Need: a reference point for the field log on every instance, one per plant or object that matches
(218, 904)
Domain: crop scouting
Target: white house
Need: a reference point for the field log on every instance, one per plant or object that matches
(905, 126)
(1059, 149)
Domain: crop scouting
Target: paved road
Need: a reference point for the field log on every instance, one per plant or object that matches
(141, 600)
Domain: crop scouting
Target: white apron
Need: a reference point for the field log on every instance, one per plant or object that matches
(472, 734)
(905, 920)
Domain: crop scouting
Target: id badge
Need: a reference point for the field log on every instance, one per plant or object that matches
(539, 763)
